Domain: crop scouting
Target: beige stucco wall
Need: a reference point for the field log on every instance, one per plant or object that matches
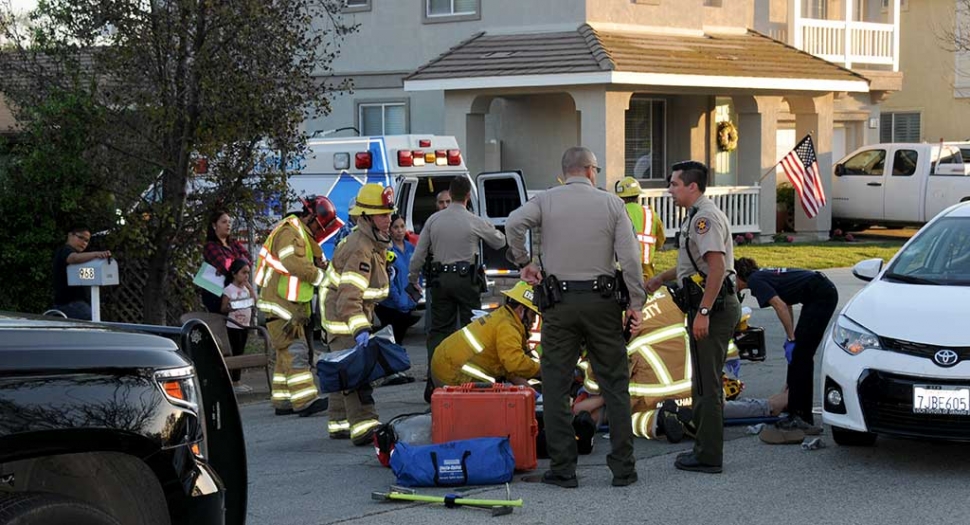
(680, 14)
(928, 73)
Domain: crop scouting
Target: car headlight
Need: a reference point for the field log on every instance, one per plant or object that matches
(852, 337)
(178, 385)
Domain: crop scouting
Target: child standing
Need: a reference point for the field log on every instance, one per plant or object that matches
(238, 299)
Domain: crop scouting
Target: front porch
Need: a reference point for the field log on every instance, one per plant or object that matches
(539, 94)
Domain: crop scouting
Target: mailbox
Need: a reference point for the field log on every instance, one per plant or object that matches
(97, 272)
(94, 274)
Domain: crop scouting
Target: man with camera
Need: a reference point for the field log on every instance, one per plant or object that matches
(705, 268)
(584, 232)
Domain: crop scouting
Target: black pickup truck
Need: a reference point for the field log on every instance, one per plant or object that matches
(105, 424)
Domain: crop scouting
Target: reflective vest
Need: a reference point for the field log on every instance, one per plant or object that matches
(356, 281)
(290, 287)
(642, 218)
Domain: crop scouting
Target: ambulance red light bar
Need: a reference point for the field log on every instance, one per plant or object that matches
(363, 160)
(454, 157)
(424, 143)
(404, 158)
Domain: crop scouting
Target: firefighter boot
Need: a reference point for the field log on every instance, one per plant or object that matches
(318, 405)
(672, 426)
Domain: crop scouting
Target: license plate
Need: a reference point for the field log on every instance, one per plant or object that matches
(934, 399)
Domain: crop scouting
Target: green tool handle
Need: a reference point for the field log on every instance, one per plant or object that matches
(458, 501)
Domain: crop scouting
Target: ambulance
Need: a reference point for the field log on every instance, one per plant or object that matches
(418, 167)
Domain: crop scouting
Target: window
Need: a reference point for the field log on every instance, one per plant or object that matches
(888, 4)
(644, 138)
(354, 6)
(452, 10)
(904, 162)
(899, 127)
(816, 9)
(869, 162)
(382, 118)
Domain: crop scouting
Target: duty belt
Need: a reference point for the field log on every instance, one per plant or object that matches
(460, 267)
(579, 286)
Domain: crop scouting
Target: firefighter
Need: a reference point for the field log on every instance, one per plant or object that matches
(647, 226)
(287, 274)
(491, 347)
(357, 280)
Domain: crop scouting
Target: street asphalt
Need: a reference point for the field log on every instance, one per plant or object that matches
(299, 476)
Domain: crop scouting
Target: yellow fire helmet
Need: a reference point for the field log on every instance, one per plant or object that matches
(627, 187)
(373, 199)
(390, 256)
(522, 293)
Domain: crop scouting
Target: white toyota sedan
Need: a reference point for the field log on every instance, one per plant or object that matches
(897, 361)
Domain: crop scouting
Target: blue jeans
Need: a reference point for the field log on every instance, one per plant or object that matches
(76, 310)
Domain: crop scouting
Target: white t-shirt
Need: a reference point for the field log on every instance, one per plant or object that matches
(239, 313)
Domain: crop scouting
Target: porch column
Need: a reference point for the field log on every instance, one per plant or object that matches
(602, 117)
(465, 119)
(757, 134)
(815, 115)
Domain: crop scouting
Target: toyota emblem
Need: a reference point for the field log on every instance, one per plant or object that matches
(946, 358)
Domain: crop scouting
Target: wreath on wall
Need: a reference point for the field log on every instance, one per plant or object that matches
(727, 136)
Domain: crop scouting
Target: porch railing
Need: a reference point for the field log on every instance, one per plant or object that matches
(739, 203)
(845, 42)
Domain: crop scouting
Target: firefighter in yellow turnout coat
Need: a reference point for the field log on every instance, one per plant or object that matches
(647, 226)
(490, 347)
(287, 276)
(659, 367)
(356, 281)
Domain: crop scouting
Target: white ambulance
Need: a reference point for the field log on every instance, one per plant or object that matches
(418, 167)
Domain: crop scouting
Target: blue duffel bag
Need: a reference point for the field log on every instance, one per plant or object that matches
(350, 369)
(479, 461)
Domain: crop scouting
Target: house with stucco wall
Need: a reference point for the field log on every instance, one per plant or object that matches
(643, 83)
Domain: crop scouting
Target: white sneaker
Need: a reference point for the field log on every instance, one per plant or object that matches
(242, 389)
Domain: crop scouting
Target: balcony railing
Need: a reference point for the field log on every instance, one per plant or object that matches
(846, 42)
(739, 203)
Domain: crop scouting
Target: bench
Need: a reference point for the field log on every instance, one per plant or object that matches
(217, 323)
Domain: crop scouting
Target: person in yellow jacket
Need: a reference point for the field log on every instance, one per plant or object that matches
(660, 380)
(356, 281)
(647, 226)
(287, 274)
(492, 347)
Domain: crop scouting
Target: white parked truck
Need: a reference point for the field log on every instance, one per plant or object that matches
(898, 184)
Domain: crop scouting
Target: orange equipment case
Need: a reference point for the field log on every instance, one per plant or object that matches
(477, 410)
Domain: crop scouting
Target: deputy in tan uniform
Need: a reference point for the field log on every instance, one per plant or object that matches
(707, 255)
(450, 238)
(584, 231)
(356, 281)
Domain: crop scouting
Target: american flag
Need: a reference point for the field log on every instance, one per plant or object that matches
(801, 167)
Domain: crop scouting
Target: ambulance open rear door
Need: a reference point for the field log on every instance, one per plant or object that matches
(499, 193)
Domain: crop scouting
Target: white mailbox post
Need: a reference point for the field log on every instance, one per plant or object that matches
(95, 274)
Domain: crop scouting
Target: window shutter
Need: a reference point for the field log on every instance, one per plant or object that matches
(886, 127)
(395, 119)
(906, 127)
(371, 120)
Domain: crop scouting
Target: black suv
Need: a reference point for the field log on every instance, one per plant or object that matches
(104, 424)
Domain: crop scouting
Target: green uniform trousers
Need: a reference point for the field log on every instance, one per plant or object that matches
(707, 359)
(585, 317)
(452, 301)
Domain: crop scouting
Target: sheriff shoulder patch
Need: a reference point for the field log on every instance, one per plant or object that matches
(364, 267)
(702, 226)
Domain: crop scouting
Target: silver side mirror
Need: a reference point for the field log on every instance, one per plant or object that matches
(868, 269)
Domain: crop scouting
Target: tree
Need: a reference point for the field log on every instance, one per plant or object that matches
(174, 81)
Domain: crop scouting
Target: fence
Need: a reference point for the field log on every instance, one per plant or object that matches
(739, 203)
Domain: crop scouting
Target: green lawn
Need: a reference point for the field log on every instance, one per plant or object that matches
(811, 256)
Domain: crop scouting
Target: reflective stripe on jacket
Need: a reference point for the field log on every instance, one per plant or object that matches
(649, 232)
(489, 347)
(285, 272)
(356, 281)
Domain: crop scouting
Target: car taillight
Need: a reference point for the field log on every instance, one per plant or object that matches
(178, 385)
(404, 158)
(454, 157)
(362, 160)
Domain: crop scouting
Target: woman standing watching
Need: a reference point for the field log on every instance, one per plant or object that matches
(220, 251)
(396, 309)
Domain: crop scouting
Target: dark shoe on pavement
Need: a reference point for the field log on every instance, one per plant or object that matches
(622, 481)
(367, 438)
(797, 423)
(428, 390)
(670, 419)
(692, 464)
(284, 412)
(567, 482)
(318, 405)
(399, 378)
(585, 428)
(340, 434)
